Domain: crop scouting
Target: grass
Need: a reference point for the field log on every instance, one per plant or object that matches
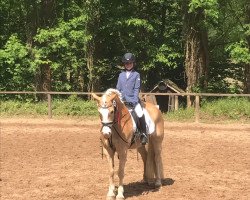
(68, 107)
(224, 109)
(184, 115)
(232, 108)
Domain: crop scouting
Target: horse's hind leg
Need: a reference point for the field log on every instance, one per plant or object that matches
(157, 145)
(143, 153)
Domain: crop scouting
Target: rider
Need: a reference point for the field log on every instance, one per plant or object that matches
(129, 85)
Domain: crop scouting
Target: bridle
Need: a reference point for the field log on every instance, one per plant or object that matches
(116, 120)
(108, 124)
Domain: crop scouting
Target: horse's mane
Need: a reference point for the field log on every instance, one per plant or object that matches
(112, 90)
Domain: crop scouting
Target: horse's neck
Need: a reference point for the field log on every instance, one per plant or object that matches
(125, 117)
(124, 111)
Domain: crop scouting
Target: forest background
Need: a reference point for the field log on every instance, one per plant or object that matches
(76, 45)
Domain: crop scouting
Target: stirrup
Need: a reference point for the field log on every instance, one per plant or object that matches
(144, 138)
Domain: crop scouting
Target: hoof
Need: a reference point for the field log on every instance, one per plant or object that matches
(158, 184)
(151, 182)
(143, 180)
(120, 197)
(110, 198)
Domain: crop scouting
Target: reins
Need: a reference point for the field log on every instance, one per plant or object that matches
(112, 125)
(117, 122)
(119, 135)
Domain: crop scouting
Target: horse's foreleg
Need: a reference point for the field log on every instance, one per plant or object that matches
(122, 162)
(110, 157)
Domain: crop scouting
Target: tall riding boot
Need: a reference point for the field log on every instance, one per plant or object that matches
(143, 130)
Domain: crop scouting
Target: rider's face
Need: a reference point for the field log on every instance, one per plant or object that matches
(129, 65)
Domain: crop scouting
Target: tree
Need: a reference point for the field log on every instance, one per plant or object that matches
(237, 44)
(63, 48)
(75, 45)
(240, 50)
(16, 70)
(196, 42)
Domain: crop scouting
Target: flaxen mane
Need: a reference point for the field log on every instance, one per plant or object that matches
(112, 90)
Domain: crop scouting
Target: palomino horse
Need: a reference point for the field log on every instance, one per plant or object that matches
(117, 136)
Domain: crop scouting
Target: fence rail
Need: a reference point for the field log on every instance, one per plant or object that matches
(142, 93)
(196, 95)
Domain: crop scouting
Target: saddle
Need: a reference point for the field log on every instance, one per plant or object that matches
(137, 133)
(131, 108)
(150, 125)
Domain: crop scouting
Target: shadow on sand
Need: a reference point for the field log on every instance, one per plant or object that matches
(139, 188)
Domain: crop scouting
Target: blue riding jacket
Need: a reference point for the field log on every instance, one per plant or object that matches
(129, 87)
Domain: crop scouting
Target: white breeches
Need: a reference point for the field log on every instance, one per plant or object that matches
(138, 110)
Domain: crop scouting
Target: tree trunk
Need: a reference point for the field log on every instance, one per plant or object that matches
(45, 78)
(46, 20)
(196, 50)
(247, 79)
(247, 66)
(91, 27)
(31, 19)
(90, 65)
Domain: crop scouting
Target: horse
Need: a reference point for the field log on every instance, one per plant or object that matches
(117, 136)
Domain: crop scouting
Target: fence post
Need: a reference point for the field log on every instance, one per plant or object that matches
(176, 102)
(197, 108)
(49, 106)
(188, 101)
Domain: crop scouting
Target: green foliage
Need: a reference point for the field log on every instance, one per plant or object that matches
(64, 48)
(139, 23)
(167, 55)
(211, 110)
(239, 52)
(229, 108)
(23, 108)
(75, 108)
(72, 106)
(180, 115)
(78, 31)
(210, 7)
(223, 86)
(215, 111)
(228, 52)
(16, 71)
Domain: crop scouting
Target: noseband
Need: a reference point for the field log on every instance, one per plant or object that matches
(111, 124)
(108, 124)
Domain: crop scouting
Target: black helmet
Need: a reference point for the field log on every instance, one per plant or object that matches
(128, 57)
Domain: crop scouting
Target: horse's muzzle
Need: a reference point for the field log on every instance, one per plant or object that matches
(106, 131)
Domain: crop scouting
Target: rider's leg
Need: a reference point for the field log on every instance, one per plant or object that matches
(143, 127)
(144, 138)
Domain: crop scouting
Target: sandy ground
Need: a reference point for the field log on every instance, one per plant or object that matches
(61, 159)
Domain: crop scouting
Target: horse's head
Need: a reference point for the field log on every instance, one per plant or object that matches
(106, 108)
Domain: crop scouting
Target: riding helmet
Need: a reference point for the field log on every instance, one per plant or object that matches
(128, 57)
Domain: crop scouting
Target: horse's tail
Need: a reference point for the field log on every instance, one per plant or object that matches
(154, 164)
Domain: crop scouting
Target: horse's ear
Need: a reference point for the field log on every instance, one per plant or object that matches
(95, 97)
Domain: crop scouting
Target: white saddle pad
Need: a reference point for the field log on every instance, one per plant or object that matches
(149, 122)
